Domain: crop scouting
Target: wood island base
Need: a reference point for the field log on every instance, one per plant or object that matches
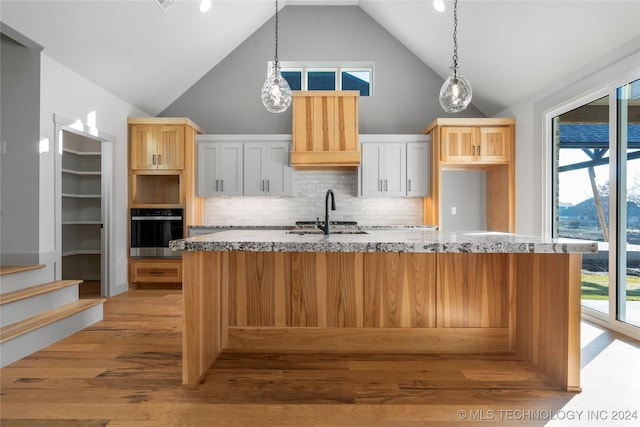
(349, 302)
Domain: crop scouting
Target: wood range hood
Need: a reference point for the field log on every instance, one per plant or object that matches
(325, 130)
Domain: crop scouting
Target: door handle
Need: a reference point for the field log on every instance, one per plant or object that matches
(409, 185)
(159, 159)
(153, 160)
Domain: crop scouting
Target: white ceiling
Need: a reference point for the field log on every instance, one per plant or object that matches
(510, 50)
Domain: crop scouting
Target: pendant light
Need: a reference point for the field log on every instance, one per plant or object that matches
(456, 92)
(276, 93)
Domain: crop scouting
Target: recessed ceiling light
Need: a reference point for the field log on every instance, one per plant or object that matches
(438, 5)
(205, 5)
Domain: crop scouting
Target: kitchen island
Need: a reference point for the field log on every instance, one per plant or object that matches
(391, 291)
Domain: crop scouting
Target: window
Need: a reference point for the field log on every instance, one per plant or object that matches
(596, 196)
(328, 76)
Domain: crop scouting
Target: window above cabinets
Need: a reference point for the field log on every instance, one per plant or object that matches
(328, 75)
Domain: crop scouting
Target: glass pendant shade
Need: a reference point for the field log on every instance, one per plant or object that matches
(276, 93)
(455, 94)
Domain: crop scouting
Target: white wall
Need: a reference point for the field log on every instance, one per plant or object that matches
(532, 185)
(66, 93)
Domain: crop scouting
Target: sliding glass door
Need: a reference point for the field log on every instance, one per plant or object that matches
(596, 196)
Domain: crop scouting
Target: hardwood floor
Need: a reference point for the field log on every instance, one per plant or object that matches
(126, 371)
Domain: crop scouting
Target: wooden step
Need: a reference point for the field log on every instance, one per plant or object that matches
(25, 326)
(12, 269)
(36, 290)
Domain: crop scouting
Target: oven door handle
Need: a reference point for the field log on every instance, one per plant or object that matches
(156, 218)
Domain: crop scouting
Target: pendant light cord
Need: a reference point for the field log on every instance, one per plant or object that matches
(455, 38)
(275, 58)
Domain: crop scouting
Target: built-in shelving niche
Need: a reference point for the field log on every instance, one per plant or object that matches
(82, 211)
(157, 189)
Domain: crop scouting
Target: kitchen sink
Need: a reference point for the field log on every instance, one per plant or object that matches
(318, 231)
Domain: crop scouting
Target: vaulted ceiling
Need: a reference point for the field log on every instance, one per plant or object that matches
(509, 49)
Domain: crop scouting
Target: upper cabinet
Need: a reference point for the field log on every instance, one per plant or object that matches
(266, 169)
(325, 129)
(219, 168)
(157, 146)
(482, 148)
(480, 143)
(244, 165)
(395, 166)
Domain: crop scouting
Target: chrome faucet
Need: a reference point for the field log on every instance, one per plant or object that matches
(325, 228)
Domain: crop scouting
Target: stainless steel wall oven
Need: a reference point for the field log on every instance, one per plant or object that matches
(152, 229)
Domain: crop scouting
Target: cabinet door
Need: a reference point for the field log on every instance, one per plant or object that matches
(457, 144)
(371, 180)
(494, 144)
(394, 165)
(255, 164)
(230, 169)
(143, 147)
(278, 169)
(208, 158)
(418, 169)
(170, 147)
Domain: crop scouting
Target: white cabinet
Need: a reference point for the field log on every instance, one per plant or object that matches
(219, 168)
(418, 169)
(266, 169)
(384, 168)
(394, 166)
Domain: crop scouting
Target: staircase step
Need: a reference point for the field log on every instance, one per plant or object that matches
(36, 290)
(13, 269)
(17, 329)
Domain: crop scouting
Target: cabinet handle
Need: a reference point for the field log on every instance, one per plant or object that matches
(262, 185)
(473, 150)
(386, 185)
(268, 186)
(153, 160)
(159, 159)
(478, 150)
(222, 185)
(379, 185)
(216, 185)
(409, 185)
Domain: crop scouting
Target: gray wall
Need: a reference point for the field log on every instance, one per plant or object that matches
(20, 131)
(227, 98)
(466, 191)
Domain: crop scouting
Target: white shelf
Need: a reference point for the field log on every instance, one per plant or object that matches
(85, 173)
(82, 196)
(82, 252)
(81, 153)
(82, 222)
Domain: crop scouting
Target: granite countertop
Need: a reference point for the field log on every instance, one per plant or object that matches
(389, 239)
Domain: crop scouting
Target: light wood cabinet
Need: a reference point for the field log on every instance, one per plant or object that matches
(156, 147)
(399, 290)
(325, 129)
(162, 174)
(485, 145)
(156, 271)
(475, 144)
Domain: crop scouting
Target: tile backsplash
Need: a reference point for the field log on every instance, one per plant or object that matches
(307, 203)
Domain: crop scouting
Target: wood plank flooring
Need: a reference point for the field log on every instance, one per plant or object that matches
(126, 371)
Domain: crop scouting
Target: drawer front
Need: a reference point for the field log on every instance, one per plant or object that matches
(156, 272)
